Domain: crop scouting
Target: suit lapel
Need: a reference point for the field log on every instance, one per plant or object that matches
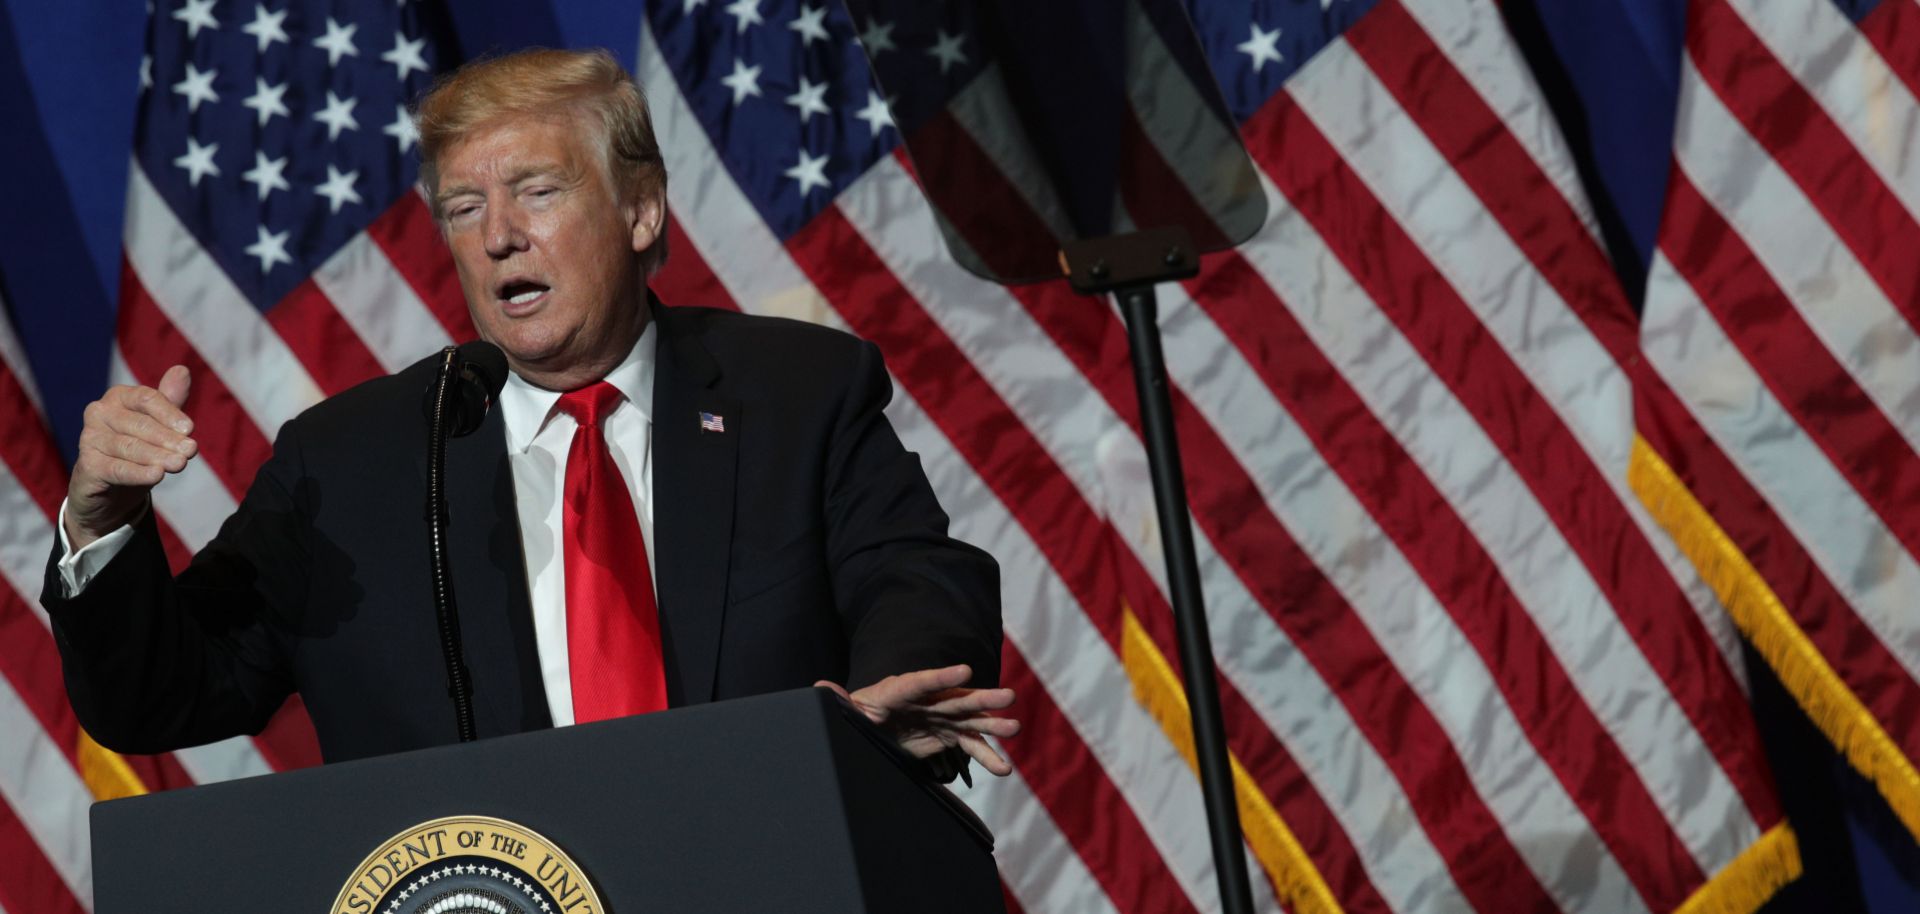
(490, 584)
(693, 491)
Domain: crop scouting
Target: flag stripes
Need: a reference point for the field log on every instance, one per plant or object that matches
(1780, 331)
(1454, 663)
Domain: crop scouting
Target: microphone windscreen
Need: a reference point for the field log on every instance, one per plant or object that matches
(487, 363)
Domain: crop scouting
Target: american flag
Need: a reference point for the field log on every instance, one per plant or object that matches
(1780, 398)
(1462, 666)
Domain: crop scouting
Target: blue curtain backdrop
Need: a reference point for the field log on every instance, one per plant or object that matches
(69, 71)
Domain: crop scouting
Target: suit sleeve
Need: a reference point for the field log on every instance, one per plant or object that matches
(155, 662)
(912, 597)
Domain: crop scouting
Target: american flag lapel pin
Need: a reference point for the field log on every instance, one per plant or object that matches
(712, 422)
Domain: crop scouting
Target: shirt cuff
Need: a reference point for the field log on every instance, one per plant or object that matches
(78, 568)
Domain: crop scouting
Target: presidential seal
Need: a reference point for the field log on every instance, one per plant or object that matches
(467, 865)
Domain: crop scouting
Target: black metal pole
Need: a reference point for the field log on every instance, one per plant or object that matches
(446, 610)
(1138, 305)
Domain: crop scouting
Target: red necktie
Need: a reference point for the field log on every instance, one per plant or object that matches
(613, 627)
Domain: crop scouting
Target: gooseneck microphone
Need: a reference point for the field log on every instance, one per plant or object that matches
(467, 383)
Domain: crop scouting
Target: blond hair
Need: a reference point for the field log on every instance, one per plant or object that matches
(540, 81)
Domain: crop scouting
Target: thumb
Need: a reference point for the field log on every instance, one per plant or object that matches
(174, 385)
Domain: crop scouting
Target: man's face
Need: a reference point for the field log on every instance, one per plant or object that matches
(545, 246)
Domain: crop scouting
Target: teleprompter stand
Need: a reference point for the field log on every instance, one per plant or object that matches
(783, 802)
(1129, 266)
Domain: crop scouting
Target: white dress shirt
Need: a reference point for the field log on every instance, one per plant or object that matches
(538, 438)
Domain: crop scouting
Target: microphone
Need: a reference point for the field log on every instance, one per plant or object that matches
(467, 383)
(479, 371)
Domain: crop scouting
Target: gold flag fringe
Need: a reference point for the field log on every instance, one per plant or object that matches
(1757, 610)
(1299, 884)
(1745, 884)
(105, 772)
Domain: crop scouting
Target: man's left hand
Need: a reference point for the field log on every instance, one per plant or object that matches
(931, 711)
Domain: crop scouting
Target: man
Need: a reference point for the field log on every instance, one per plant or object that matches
(666, 506)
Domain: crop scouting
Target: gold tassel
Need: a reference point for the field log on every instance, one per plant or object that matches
(106, 773)
(1299, 884)
(1757, 610)
(1745, 884)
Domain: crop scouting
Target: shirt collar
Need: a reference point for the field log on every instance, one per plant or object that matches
(526, 407)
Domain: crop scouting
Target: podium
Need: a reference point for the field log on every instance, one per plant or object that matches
(782, 802)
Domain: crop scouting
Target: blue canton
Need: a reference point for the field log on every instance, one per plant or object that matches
(278, 130)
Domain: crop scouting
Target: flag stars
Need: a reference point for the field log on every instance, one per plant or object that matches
(811, 24)
(338, 41)
(338, 188)
(269, 248)
(197, 87)
(878, 37)
(198, 161)
(404, 131)
(810, 99)
(146, 72)
(744, 13)
(197, 14)
(406, 56)
(1262, 47)
(266, 28)
(691, 6)
(267, 175)
(809, 171)
(946, 49)
(744, 80)
(876, 114)
(337, 115)
(268, 100)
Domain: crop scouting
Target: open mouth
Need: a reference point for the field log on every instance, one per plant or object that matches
(519, 294)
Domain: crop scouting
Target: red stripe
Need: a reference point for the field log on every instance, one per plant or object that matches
(407, 234)
(231, 444)
(31, 885)
(1894, 30)
(1157, 195)
(1865, 664)
(289, 741)
(1573, 492)
(30, 662)
(313, 330)
(1007, 898)
(28, 448)
(1509, 182)
(1810, 147)
(178, 555)
(1008, 460)
(1784, 351)
(687, 279)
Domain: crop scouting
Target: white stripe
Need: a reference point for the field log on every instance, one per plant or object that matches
(1555, 589)
(1474, 38)
(1106, 462)
(1573, 373)
(378, 303)
(1836, 296)
(234, 757)
(200, 301)
(194, 502)
(713, 212)
(1037, 862)
(1849, 79)
(1845, 538)
(16, 361)
(26, 540)
(38, 782)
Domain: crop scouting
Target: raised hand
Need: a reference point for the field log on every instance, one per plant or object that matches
(929, 711)
(132, 438)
